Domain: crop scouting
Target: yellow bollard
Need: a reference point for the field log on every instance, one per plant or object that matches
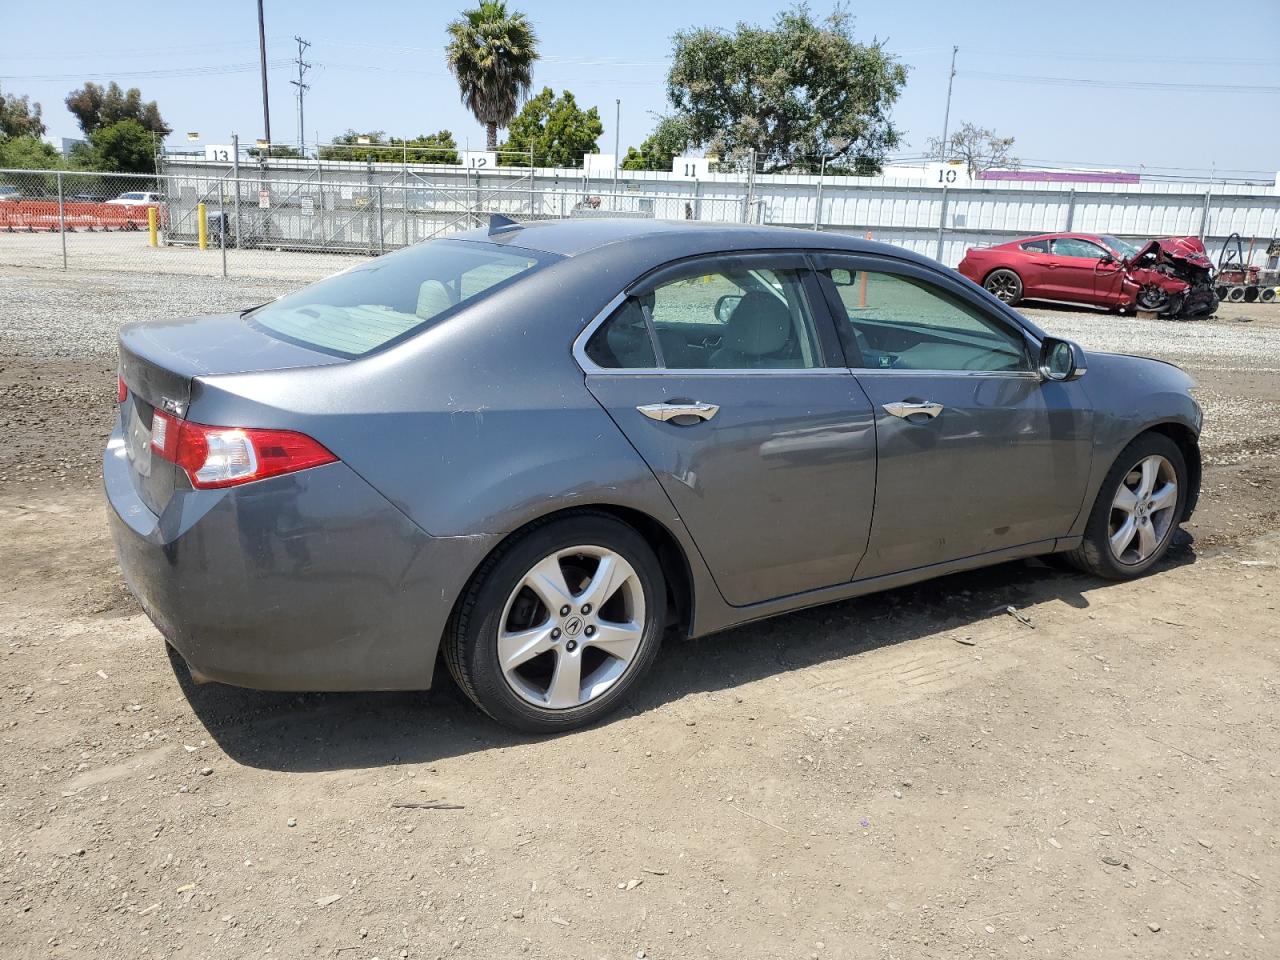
(152, 226)
(202, 218)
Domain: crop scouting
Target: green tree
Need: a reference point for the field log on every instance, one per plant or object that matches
(491, 54)
(19, 117)
(125, 146)
(555, 128)
(95, 106)
(670, 138)
(438, 147)
(793, 93)
(28, 153)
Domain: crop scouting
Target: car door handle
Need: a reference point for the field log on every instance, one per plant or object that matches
(669, 411)
(905, 409)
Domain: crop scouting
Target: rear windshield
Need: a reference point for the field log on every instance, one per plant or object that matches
(394, 296)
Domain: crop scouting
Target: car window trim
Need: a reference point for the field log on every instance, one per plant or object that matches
(826, 260)
(831, 358)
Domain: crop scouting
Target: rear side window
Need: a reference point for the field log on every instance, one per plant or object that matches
(372, 305)
(1036, 246)
(735, 318)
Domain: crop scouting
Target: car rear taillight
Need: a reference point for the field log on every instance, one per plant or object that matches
(122, 392)
(215, 457)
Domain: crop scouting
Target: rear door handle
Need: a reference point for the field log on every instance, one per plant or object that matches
(904, 409)
(669, 411)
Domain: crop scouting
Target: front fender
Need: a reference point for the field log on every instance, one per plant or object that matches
(1130, 396)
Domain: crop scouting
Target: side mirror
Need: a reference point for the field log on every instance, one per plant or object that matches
(1061, 360)
(1106, 258)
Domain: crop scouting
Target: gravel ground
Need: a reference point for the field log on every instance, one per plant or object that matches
(911, 775)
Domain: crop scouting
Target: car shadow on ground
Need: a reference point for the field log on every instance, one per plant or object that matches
(313, 732)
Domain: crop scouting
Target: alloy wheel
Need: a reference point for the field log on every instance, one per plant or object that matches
(1142, 511)
(1003, 285)
(572, 627)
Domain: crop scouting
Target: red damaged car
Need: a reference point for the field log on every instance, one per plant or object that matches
(1172, 277)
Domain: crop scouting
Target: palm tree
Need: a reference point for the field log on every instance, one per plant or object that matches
(491, 53)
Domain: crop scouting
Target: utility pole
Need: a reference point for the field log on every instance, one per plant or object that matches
(617, 160)
(303, 67)
(946, 117)
(262, 59)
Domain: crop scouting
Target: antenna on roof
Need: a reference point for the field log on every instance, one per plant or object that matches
(499, 224)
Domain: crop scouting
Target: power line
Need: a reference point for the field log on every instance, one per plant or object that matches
(1123, 84)
(166, 73)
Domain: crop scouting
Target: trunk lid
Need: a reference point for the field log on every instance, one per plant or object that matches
(160, 361)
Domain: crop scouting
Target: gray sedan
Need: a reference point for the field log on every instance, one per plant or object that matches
(537, 449)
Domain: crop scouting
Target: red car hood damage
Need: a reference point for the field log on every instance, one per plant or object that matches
(1188, 250)
(1172, 276)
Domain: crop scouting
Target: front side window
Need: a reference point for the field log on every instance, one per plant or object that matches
(736, 318)
(895, 322)
(369, 306)
(1072, 247)
(1121, 250)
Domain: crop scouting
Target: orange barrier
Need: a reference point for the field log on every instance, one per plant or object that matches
(30, 216)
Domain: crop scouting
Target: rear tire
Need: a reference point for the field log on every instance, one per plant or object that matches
(1004, 285)
(544, 653)
(1136, 514)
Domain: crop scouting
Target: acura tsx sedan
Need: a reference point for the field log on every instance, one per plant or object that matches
(533, 451)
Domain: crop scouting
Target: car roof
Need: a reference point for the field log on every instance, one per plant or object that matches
(675, 238)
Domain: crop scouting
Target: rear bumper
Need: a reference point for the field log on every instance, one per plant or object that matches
(311, 581)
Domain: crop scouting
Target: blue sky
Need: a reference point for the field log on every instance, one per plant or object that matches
(1171, 86)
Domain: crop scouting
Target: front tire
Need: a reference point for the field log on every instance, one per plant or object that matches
(1005, 285)
(1139, 506)
(559, 624)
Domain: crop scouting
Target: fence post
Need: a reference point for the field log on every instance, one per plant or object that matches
(817, 200)
(222, 229)
(62, 221)
(1071, 208)
(1204, 214)
(235, 174)
(942, 224)
(751, 187)
(404, 209)
(382, 245)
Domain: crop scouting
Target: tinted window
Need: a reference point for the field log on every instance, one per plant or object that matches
(623, 340)
(1071, 247)
(898, 322)
(731, 319)
(366, 307)
(1036, 246)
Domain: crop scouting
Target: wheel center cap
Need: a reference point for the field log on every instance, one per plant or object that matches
(573, 626)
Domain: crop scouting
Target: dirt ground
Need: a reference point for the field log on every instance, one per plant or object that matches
(917, 774)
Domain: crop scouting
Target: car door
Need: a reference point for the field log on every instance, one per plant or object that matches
(1033, 267)
(1073, 267)
(720, 376)
(975, 453)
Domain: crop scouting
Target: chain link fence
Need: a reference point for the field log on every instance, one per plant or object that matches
(292, 223)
